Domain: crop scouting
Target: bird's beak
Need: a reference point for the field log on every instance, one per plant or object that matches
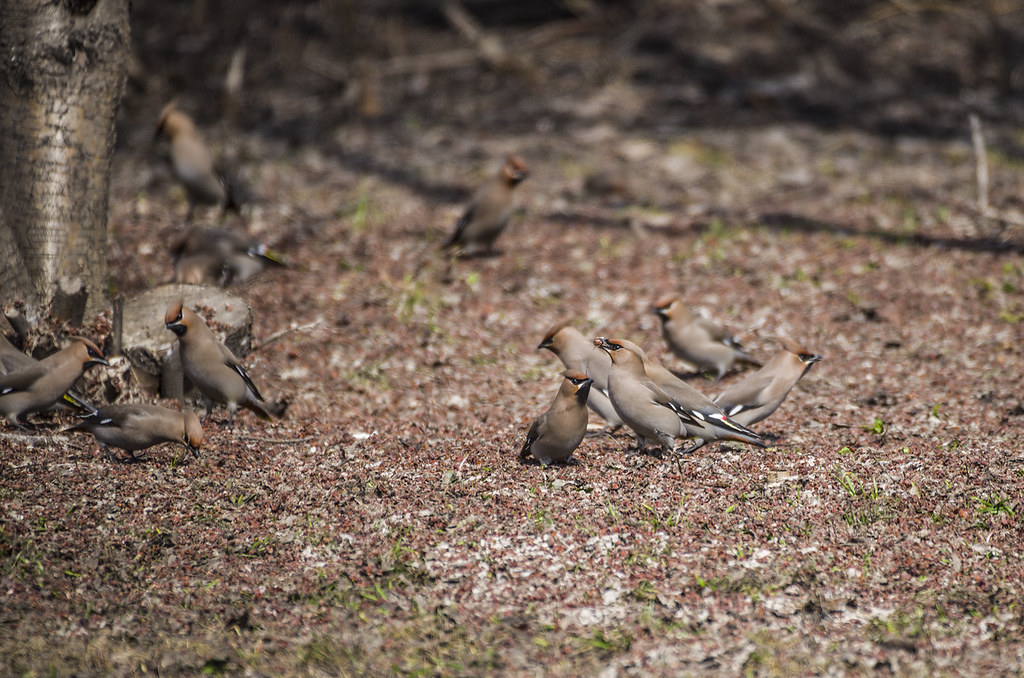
(177, 328)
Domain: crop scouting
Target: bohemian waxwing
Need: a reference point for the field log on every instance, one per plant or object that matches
(193, 163)
(652, 412)
(578, 353)
(557, 433)
(213, 369)
(40, 385)
(137, 426)
(490, 208)
(699, 341)
(756, 397)
(239, 256)
(709, 423)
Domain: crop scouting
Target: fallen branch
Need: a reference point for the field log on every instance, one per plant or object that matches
(288, 330)
(277, 441)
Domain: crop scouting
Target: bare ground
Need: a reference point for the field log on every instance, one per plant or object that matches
(386, 526)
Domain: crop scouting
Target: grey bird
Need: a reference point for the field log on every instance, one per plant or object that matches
(193, 163)
(137, 426)
(701, 342)
(221, 255)
(708, 422)
(578, 353)
(652, 413)
(557, 433)
(40, 385)
(12, 359)
(213, 369)
(759, 395)
(490, 208)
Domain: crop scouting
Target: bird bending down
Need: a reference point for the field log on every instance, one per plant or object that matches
(37, 386)
(193, 163)
(658, 415)
(220, 256)
(490, 208)
(213, 368)
(699, 341)
(759, 395)
(137, 426)
(557, 433)
(579, 354)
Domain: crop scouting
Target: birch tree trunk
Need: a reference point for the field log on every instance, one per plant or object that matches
(62, 74)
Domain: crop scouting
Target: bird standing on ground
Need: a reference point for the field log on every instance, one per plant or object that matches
(220, 256)
(704, 343)
(756, 397)
(652, 412)
(490, 208)
(137, 426)
(213, 368)
(40, 385)
(709, 423)
(193, 163)
(578, 353)
(557, 433)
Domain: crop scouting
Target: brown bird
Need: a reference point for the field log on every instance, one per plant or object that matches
(137, 426)
(11, 358)
(578, 353)
(488, 212)
(704, 343)
(213, 368)
(709, 422)
(557, 433)
(40, 385)
(193, 163)
(652, 412)
(199, 251)
(756, 397)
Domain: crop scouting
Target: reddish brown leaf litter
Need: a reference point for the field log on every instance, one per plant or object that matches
(386, 524)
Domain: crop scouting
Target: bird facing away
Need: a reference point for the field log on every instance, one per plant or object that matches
(221, 256)
(137, 426)
(578, 353)
(651, 411)
(40, 385)
(756, 397)
(490, 208)
(193, 164)
(213, 368)
(557, 433)
(704, 343)
(709, 423)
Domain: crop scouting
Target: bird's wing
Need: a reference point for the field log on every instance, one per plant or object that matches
(745, 395)
(22, 378)
(532, 435)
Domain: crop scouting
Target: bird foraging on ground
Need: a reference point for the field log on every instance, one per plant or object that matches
(193, 163)
(578, 353)
(490, 208)
(217, 255)
(654, 414)
(759, 395)
(699, 341)
(40, 385)
(557, 433)
(213, 368)
(138, 426)
(709, 423)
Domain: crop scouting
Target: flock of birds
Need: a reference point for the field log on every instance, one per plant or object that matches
(613, 377)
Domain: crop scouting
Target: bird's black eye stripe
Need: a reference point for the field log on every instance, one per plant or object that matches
(576, 381)
(807, 356)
